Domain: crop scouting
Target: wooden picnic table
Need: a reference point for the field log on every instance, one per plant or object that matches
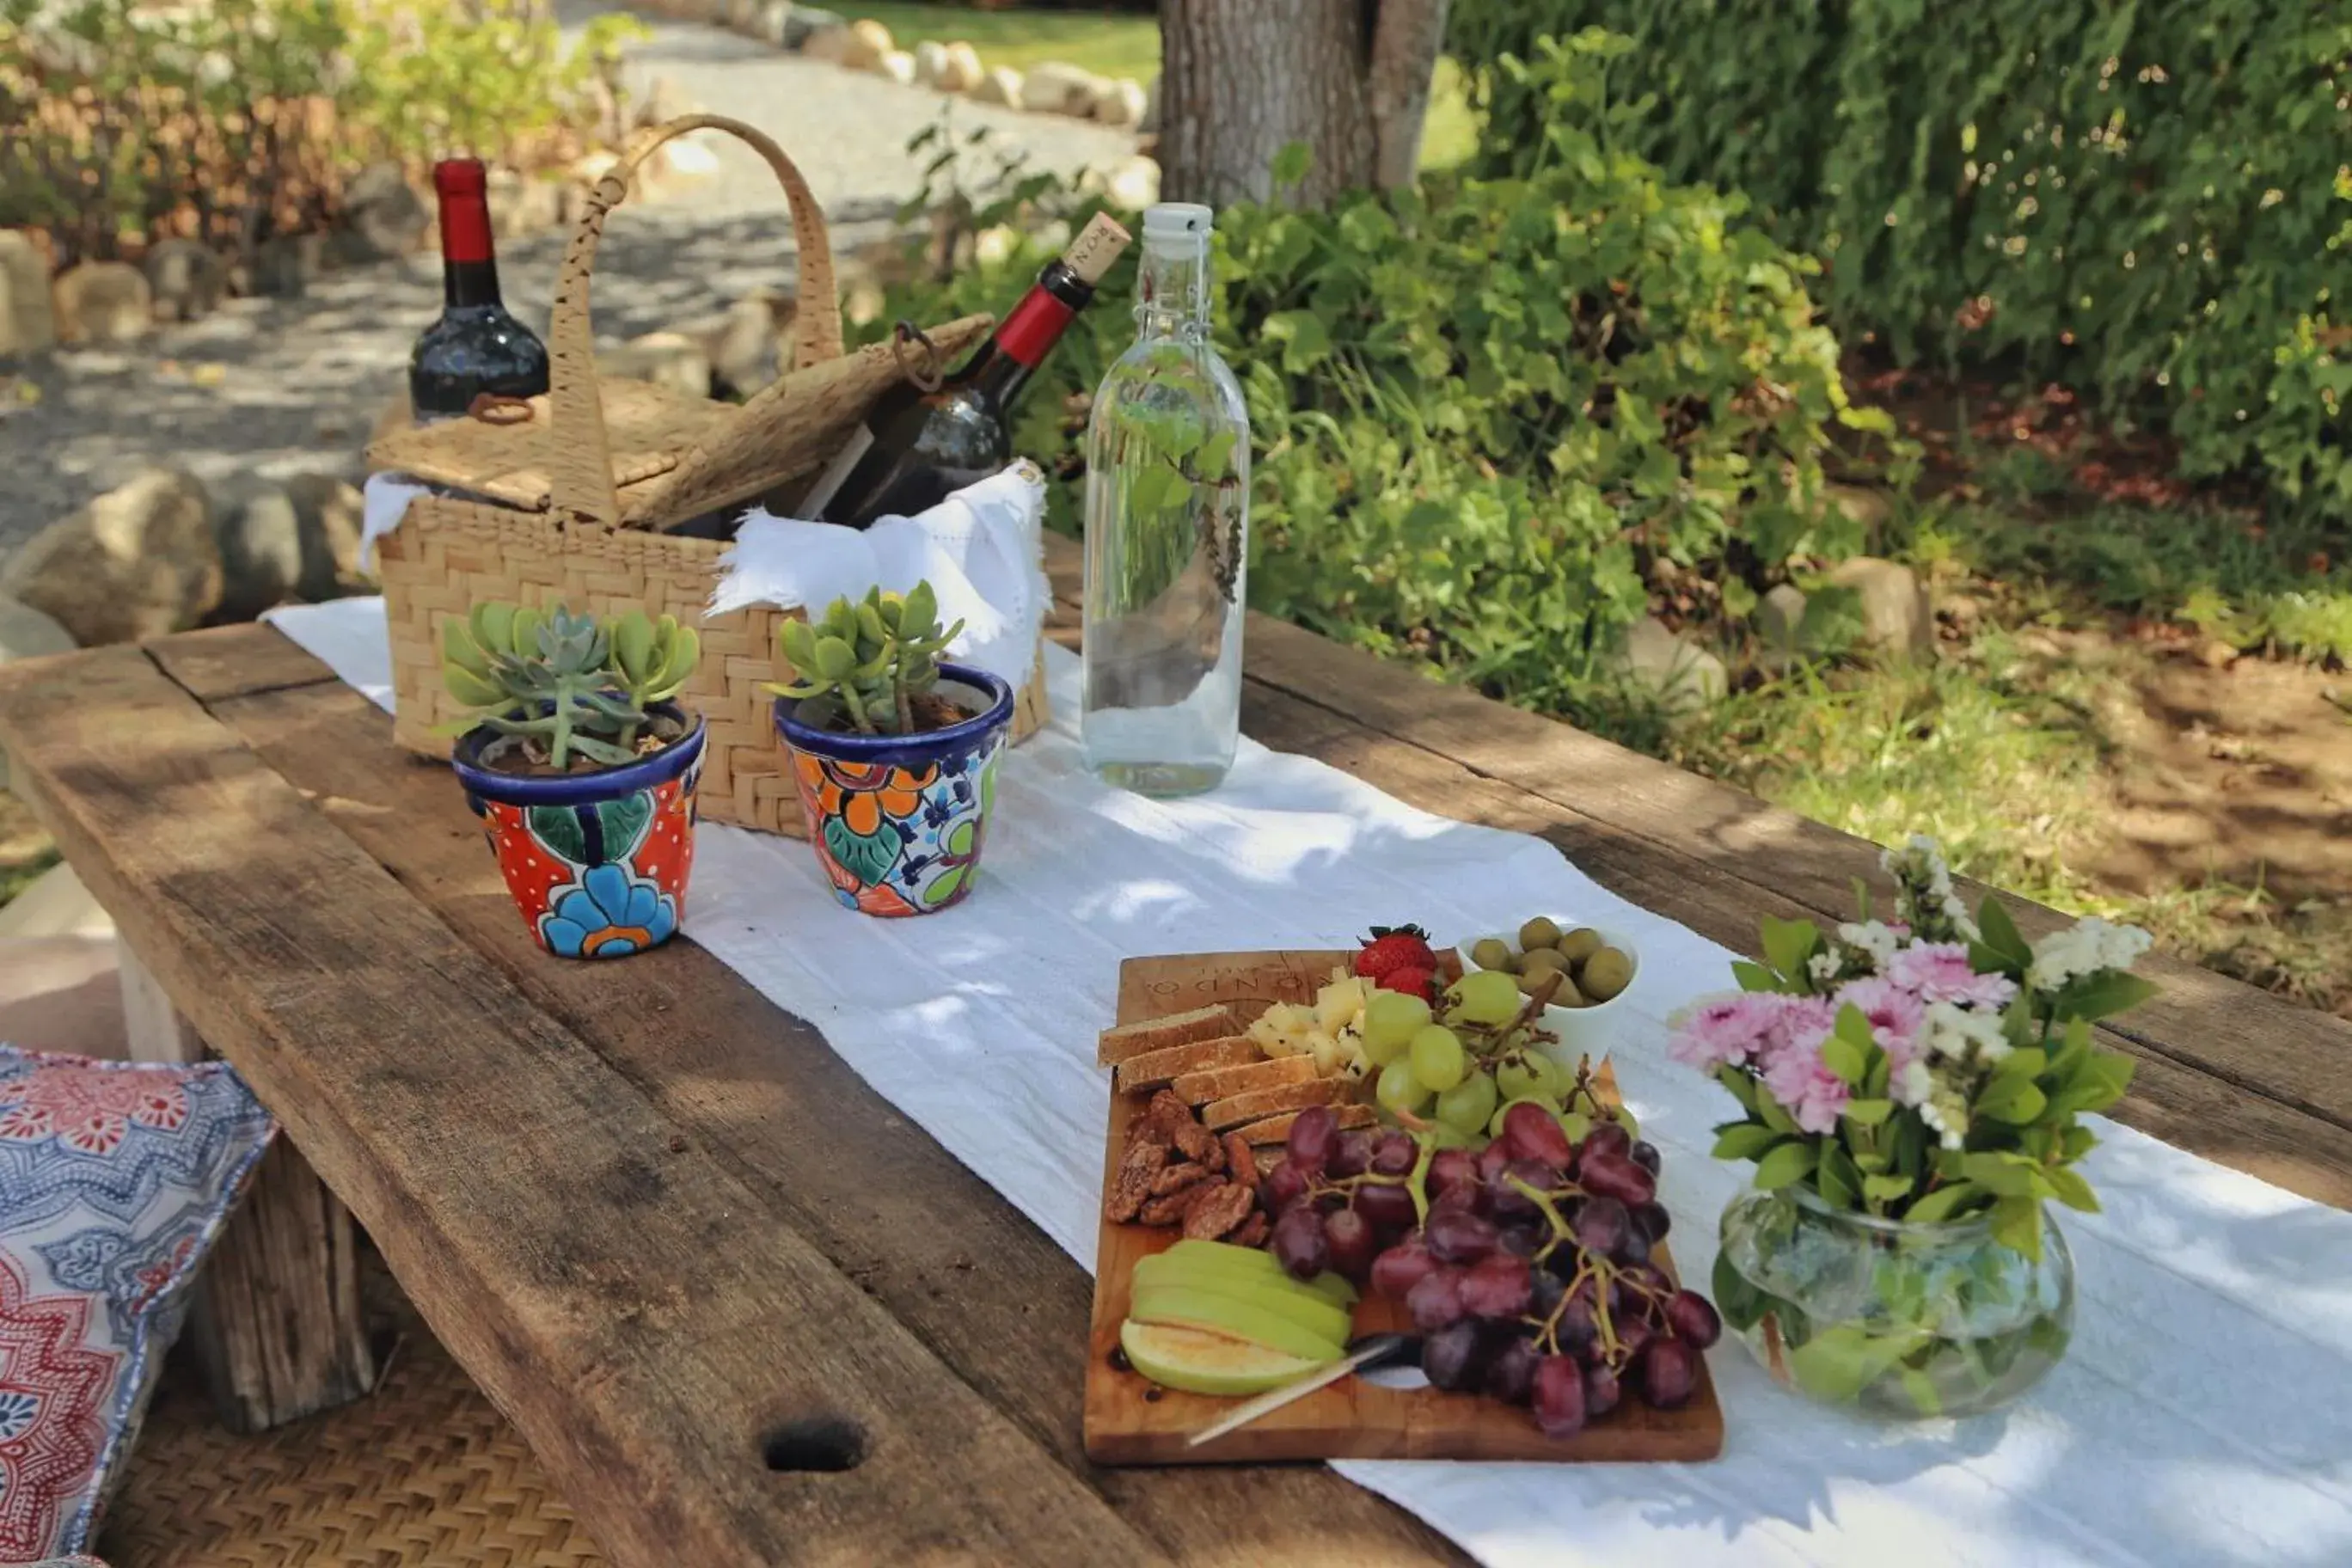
(743, 1311)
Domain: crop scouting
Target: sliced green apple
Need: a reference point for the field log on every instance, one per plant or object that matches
(1199, 1362)
(1250, 1261)
(1230, 1315)
(1277, 1293)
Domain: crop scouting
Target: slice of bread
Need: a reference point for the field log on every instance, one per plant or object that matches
(1276, 1129)
(1115, 1046)
(1224, 1083)
(1164, 1065)
(1233, 1111)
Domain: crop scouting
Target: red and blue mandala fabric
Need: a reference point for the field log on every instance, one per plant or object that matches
(115, 1178)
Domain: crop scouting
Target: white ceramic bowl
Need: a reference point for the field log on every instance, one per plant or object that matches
(1583, 1031)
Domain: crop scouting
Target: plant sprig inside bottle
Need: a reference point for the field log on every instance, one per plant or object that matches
(1173, 462)
(878, 658)
(567, 690)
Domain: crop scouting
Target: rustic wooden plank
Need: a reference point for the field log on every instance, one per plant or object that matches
(759, 1090)
(2263, 1044)
(231, 661)
(276, 1324)
(1132, 1420)
(2186, 1107)
(663, 1344)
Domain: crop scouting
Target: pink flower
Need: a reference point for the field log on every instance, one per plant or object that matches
(1894, 1013)
(1811, 1094)
(1727, 1030)
(1939, 972)
(1802, 1025)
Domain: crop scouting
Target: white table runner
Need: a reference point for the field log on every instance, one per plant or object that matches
(2203, 1416)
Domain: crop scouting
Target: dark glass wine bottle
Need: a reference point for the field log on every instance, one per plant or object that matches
(915, 447)
(476, 347)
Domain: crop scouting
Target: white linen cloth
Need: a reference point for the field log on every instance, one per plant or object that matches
(2204, 1416)
(980, 549)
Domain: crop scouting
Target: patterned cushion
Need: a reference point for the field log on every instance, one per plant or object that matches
(115, 1178)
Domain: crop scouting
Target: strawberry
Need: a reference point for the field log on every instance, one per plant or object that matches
(1412, 981)
(1390, 948)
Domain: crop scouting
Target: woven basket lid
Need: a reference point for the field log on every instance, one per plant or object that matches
(628, 453)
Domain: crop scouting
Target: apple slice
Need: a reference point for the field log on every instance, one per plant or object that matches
(1193, 1309)
(1279, 1294)
(1199, 1362)
(1250, 1263)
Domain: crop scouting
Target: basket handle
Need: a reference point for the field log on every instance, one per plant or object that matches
(581, 464)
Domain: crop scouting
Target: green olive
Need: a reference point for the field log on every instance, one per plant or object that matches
(1606, 973)
(1580, 944)
(1537, 932)
(1494, 953)
(1537, 959)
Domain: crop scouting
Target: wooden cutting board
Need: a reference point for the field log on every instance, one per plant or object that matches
(1129, 1420)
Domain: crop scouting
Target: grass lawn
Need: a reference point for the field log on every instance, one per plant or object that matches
(1118, 46)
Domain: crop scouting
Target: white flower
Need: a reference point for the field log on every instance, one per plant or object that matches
(1876, 938)
(2087, 947)
(1952, 1033)
(1949, 1117)
(1824, 966)
(1912, 1084)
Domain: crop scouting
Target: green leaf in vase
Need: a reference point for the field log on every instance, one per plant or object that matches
(1739, 1086)
(1840, 1361)
(1739, 1302)
(1886, 1189)
(1744, 1141)
(2011, 1099)
(1755, 976)
(2071, 1189)
(2001, 936)
(1789, 945)
(1838, 1181)
(2016, 1225)
(1791, 1161)
(1942, 1204)
(1868, 1112)
(2103, 995)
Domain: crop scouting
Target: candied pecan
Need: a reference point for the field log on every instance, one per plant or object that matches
(1241, 1160)
(1251, 1232)
(1218, 1209)
(1165, 1114)
(1176, 1178)
(1196, 1142)
(1170, 1209)
(1136, 1168)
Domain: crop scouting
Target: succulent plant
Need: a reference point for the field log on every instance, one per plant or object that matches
(577, 686)
(876, 653)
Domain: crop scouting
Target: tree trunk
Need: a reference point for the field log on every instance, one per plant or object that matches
(1241, 79)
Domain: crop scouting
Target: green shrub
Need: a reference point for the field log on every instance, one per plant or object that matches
(237, 118)
(2151, 203)
(1483, 412)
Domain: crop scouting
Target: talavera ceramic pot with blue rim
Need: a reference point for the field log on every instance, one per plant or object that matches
(898, 821)
(597, 861)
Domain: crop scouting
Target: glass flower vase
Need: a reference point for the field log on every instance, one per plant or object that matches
(1896, 1319)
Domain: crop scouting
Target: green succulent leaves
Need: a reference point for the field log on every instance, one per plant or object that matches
(873, 655)
(577, 685)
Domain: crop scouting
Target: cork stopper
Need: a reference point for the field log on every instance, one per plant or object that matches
(1099, 244)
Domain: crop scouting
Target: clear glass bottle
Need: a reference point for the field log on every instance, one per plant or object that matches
(1167, 525)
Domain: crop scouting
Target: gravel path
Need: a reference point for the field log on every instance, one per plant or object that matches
(278, 387)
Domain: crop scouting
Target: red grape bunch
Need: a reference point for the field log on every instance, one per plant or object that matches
(1530, 1272)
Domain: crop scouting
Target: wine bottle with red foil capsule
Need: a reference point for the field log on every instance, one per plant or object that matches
(476, 347)
(917, 446)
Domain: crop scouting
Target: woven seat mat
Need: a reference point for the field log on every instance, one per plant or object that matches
(423, 1473)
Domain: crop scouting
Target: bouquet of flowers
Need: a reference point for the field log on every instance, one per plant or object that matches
(1911, 1092)
(1923, 1069)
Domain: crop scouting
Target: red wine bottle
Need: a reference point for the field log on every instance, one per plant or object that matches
(476, 347)
(915, 447)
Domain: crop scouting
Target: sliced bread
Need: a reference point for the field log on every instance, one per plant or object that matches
(1115, 1046)
(1154, 1068)
(1276, 1129)
(1233, 1111)
(1199, 1087)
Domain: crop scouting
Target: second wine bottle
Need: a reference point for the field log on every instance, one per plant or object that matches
(918, 446)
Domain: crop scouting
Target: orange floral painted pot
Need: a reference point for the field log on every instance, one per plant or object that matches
(898, 821)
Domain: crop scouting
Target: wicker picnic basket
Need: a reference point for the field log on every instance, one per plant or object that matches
(567, 494)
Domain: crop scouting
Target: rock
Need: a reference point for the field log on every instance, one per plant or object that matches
(1056, 86)
(962, 71)
(138, 561)
(2216, 654)
(1121, 103)
(775, 22)
(1778, 617)
(898, 65)
(284, 265)
(666, 359)
(1151, 121)
(184, 280)
(742, 16)
(383, 217)
(1002, 85)
(833, 42)
(1680, 673)
(806, 22)
(746, 346)
(1896, 616)
(869, 44)
(102, 302)
(1133, 183)
(27, 314)
(930, 59)
(1871, 509)
(260, 540)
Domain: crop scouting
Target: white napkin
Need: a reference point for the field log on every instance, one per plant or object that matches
(980, 549)
(383, 504)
